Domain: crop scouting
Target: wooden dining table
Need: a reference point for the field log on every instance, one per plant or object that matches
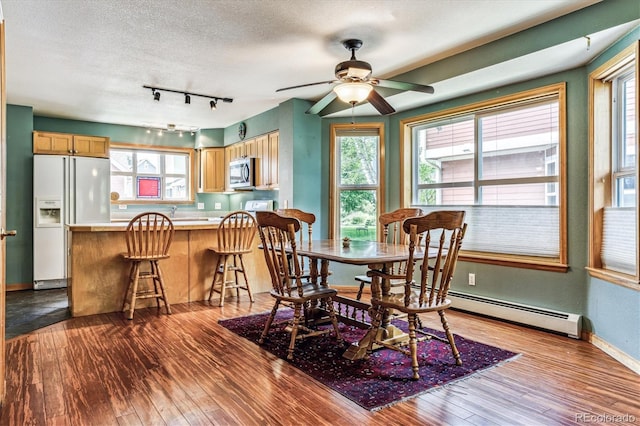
(375, 256)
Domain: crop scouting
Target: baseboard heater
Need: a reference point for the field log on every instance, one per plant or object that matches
(561, 322)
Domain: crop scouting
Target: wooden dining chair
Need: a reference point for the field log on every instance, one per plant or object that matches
(148, 237)
(278, 237)
(440, 232)
(307, 219)
(392, 232)
(236, 233)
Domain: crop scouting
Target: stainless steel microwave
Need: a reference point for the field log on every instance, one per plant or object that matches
(241, 173)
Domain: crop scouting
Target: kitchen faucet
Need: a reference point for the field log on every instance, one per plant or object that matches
(173, 211)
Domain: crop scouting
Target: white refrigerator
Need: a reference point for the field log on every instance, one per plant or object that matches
(66, 190)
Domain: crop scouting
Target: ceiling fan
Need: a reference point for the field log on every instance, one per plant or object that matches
(357, 84)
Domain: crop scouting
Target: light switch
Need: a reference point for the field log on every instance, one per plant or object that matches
(200, 206)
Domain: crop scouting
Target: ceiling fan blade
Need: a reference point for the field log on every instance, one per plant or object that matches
(306, 85)
(401, 85)
(380, 103)
(322, 103)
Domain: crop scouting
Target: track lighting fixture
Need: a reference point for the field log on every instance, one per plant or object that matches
(160, 129)
(187, 96)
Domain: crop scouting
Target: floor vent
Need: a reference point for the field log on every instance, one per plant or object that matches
(561, 322)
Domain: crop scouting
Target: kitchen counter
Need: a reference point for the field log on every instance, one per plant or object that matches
(98, 274)
(179, 224)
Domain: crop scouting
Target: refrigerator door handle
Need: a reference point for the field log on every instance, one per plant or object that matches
(4, 234)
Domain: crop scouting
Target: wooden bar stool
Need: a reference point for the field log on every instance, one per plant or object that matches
(148, 239)
(235, 238)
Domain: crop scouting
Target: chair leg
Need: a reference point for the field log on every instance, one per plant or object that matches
(236, 276)
(272, 315)
(134, 289)
(164, 294)
(452, 343)
(126, 298)
(215, 276)
(294, 329)
(334, 319)
(223, 285)
(413, 346)
(246, 280)
(155, 278)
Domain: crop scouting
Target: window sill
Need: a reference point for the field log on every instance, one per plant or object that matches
(524, 262)
(615, 277)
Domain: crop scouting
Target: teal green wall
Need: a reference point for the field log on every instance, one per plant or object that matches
(19, 190)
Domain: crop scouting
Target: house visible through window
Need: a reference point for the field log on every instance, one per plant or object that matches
(150, 174)
(613, 225)
(500, 161)
(357, 156)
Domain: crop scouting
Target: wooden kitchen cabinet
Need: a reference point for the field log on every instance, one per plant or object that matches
(212, 169)
(267, 161)
(68, 144)
(91, 146)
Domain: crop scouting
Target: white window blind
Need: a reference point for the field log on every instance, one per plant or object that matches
(619, 240)
(519, 230)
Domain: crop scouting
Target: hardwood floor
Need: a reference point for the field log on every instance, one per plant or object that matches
(186, 369)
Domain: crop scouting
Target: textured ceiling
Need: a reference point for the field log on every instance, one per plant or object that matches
(88, 60)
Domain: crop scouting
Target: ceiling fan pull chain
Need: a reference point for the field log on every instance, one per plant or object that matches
(353, 118)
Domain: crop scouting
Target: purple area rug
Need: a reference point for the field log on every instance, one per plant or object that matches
(383, 379)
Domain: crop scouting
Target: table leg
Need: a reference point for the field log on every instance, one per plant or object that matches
(388, 332)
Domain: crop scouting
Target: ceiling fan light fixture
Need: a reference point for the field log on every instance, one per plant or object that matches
(353, 93)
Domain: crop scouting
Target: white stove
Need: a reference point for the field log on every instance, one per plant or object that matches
(253, 206)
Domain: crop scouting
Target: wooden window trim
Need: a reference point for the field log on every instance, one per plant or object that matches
(559, 264)
(333, 202)
(600, 170)
(164, 149)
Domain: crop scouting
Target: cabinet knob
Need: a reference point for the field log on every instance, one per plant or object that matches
(4, 233)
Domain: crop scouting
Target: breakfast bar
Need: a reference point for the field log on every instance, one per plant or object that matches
(98, 273)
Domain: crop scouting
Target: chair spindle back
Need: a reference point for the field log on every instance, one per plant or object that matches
(443, 232)
(149, 235)
(236, 232)
(277, 233)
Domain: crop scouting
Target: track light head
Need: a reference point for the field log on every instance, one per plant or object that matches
(187, 98)
(213, 105)
(156, 95)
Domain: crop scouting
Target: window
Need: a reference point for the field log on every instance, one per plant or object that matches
(151, 174)
(502, 162)
(613, 163)
(357, 158)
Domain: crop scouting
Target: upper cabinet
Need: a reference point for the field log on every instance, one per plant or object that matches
(212, 169)
(267, 161)
(265, 150)
(68, 144)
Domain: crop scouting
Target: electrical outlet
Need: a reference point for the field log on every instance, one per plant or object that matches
(472, 279)
(200, 206)
(217, 206)
(122, 206)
